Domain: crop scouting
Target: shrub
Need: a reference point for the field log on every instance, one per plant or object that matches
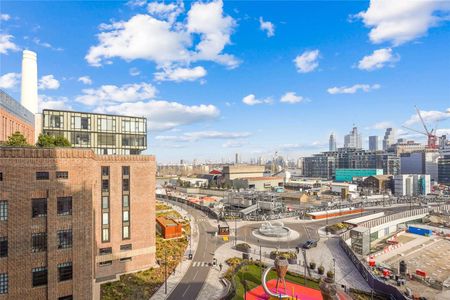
(243, 247)
(321, 270)
(312, 265)
(330, 274)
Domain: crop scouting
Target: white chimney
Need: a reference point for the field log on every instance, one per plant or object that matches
(29, 92)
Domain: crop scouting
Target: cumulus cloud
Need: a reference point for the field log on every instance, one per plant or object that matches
(158, 37)
(251, 100)
(164, 115)
(378, 59)
(399, 21)
(381, 125)
(5, 17)
(6, 44)
(431, 116)
(353, 89)
(234, 144)
(48, 82)
(48, 102)
(201, 135)
(291, 97)
(267, 26)
(38, 42)
(307, 61)
(85, 80)
(9, 80)
(180, 74)
(109, 94)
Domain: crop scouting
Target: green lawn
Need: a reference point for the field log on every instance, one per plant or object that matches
(252, 275)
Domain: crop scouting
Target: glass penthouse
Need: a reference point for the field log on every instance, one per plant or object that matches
(105, 134)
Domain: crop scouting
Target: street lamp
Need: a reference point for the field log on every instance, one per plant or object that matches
(334, 268)
(165, 271)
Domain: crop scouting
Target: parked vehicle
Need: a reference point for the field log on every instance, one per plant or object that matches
(309, 244)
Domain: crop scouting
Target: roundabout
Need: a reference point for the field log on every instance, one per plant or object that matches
(275, 232)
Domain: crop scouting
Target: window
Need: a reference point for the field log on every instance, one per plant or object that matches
(105, 171)
(42, 176)
(3, 210)
(39, 276)
(81, 138)
(126, 184)
(69, 297)
(125, 170)
(62, 175)
(105, 202)
(80, 122)
(65, 239)
(125, 259)
(105, 251)
(105, 218)
(106, 139)
(125, 201)
(3, 246)
(126, 232)
(65, 271)
(126, 216)
(106, 124)
(56, 121)
(64, 205)
(1, 176)
(105, 235)
(39, 242)
(38, 207)
(105, 185)
(105, 263)
(126, 247)
(3, 283)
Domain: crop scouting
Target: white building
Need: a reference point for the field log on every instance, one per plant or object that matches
(389, 138)
(332, 142)
(353, 139)
(412, 185)
(424, 162)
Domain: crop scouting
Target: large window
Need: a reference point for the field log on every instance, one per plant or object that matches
(105, 204)
(39, 242)
(126, 184)
(65, 239)
(65, 271)
(105, 185)
(64, 205)
(4, 246)
(69, 297)
(56, 121)
(125, 202)
(81, 122)
(133, 140)
(3, 283)
(62, 175)
(4, 210)
(105, 171)
(106, 139)
(81, 138)
(39, 276)
(42, 176)
(105, 251)
(106, 124)
(38, 207)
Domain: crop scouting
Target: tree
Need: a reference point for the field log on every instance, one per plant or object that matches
(17, 139)
(49, 141)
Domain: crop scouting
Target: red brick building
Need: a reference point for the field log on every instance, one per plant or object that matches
(70, 220)
(169, 228)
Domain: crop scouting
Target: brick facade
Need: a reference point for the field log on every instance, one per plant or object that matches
(9, 124)
(18, 186)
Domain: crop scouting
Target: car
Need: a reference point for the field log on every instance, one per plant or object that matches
(309, 244)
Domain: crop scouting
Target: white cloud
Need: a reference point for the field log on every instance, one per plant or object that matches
(135, 72)
(353, 89)
(85, 79)
(399, 21)
(291, 97)
(378, 59)
(307, 61)
(5, 17)
(251, 100)
(136, 3)
(234, 144)
(202, 35)
(47, 102)
(267, 26)
(9, 80)
(6, 44)
(381, 125)
(180, 74)
(430, 117)
(165, 115)
(109, 94)
(202, 135)
(48, 82)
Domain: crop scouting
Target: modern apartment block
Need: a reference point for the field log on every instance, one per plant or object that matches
(373, 143)
(14, 117)
(353, 139)
(105, 134)
(412, 185)
(71, 219)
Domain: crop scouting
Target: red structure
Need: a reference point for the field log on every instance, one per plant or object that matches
(169, 228)
(334, 213)
(292, 289)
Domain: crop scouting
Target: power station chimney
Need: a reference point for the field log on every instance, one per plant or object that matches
(29, 92)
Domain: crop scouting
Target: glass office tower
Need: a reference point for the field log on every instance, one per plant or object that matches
(105, 134)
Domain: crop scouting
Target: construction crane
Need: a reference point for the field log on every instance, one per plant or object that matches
(431, 135)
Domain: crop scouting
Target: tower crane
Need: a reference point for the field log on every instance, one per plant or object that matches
(431, 135)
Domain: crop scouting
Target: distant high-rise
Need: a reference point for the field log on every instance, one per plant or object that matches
(332, 142)
(237, 159)
(373, 143)
(389, 138)
(353, 139)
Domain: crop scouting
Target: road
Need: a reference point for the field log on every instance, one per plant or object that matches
(192, 282)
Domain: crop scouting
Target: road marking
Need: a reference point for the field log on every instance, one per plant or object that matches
(200, 264)
(196, 273)
(186, 290)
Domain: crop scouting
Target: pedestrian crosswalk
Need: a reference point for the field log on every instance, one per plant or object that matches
(200, 264)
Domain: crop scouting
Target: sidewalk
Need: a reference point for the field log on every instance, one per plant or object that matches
(182, 268)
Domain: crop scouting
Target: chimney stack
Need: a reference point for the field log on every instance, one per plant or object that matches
(29, 91)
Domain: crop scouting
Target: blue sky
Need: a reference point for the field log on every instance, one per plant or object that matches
(253, 77)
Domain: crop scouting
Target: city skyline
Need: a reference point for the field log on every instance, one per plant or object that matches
(248, 80)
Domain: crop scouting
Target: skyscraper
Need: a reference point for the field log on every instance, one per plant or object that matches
(332, 142)
(353, 139)
(389, 138)
(237, 159)
(373, 143)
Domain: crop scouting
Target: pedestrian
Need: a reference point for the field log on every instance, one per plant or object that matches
(220, 267)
